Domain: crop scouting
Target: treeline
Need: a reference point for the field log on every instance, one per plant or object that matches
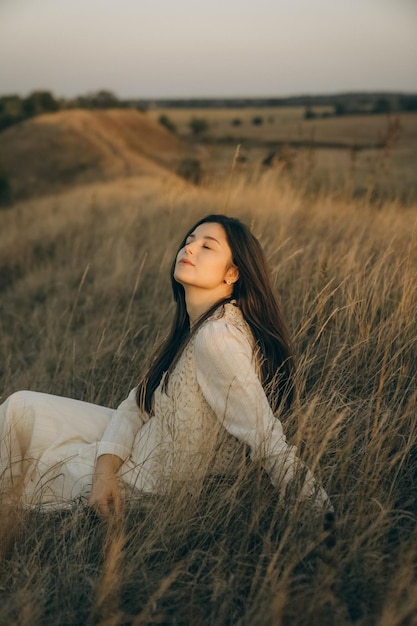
(14, 109)
(343, 104)
(363, 107)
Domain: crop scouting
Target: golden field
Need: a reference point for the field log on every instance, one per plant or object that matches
(85, 296)
(354, 151)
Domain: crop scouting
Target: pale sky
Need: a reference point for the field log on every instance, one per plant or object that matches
(214, 48)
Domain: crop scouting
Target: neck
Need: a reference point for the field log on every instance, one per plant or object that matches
(198, 302)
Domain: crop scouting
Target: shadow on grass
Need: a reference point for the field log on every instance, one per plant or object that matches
(220, 557)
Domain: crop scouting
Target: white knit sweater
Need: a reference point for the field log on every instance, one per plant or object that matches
(213, 412)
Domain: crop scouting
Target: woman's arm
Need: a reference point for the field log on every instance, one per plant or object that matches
(113, 449)
(125, 423)
(227, 376)
(105, 491)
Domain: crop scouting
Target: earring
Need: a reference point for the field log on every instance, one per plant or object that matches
(228, 282)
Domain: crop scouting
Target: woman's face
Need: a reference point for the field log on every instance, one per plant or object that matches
(206, 259)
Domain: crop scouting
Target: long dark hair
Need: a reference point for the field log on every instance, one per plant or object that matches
(258, 304)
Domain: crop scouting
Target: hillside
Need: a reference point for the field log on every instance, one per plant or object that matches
(50, 151)
(86, 297)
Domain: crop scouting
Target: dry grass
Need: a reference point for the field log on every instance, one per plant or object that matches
(85, 296)
(347, 160)
(58, 150)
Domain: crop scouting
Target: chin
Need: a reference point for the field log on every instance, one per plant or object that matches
(177, 277)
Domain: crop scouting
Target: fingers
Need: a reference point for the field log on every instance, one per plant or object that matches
(105, 494)
(106, 505)
(112, 506)
(101, 507)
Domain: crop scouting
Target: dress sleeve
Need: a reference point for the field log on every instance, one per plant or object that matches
(119, 435)
(226, 373)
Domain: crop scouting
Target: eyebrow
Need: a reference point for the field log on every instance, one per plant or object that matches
(204, 237)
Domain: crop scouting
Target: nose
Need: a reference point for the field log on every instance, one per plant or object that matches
(188, 247)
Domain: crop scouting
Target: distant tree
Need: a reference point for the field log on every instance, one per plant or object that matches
(309, 113)
(168, 123)
(11, 105)
(104, 99)
(408, 103)
(190, 169)
(340, 108)
(283, 158)
(198, 125)
(382, 105)
(257, 120)
(39, 102)
(11, 111)
(5, 188)
(82, 102)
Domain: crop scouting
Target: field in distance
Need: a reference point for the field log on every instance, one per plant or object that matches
(356, 151)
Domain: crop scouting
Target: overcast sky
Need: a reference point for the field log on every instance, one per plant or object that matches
(183, 48)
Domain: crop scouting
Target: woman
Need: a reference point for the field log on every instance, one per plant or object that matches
(208, 399)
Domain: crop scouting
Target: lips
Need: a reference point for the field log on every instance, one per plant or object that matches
(186, 262)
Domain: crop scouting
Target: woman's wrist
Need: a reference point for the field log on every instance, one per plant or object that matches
(108, 464)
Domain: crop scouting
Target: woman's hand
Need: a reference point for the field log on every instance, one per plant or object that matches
(302, 485)
(314, 494)
(105, 492)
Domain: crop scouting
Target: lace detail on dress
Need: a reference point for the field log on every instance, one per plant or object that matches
(192, 441)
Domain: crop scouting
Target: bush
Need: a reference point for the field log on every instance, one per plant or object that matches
(309, 114)
(382, 105)
(198, 125)
(102, 99)
(190, 169)
(257, 120)
(339, 108)
(39, 102)
(164, 120)
(11, 111)
(408, 103)
(236, 122)
(5, 189)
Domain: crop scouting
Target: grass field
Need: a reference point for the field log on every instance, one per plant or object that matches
(85, 297)
(339, 151)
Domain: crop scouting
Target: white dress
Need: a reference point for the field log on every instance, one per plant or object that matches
(213, 412)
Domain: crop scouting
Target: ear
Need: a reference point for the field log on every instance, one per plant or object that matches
(232, 274)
